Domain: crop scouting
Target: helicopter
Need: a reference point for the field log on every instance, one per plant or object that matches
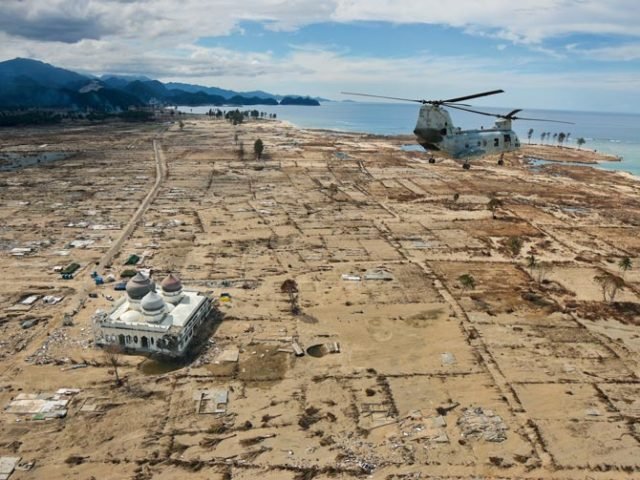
(435, 131)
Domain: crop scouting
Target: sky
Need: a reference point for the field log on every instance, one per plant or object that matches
(550, 54)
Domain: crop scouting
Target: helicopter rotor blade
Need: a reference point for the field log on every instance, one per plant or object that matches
(382, 96)
(469, 97)
(475, 111)
(542, 120)
(508, 116)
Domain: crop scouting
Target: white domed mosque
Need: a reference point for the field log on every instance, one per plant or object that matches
(148, 320)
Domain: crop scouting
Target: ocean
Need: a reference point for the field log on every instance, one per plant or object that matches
(614, 133)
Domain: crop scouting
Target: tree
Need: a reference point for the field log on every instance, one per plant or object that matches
(625, 264)
(530, 134)
(515, 245)
(561, 137)
(580, 141)
(542, 136)
(493, 205)
(241, 150)
(467, 282)
(532, 261)
(609, 284)
(258, 148)
(113, 355)
(290, 287)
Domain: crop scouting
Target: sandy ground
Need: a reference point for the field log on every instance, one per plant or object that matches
(528, 373)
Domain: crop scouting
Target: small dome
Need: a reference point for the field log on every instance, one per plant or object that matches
(152, 302)
(171, 284)
(139, 286)
(130, 316)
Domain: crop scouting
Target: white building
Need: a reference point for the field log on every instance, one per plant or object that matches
(147, 320)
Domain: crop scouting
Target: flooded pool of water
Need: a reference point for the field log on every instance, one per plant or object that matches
(159, 367)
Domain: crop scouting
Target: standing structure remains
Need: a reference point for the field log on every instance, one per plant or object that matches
(151, 320)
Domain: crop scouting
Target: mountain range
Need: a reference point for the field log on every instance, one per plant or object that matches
(27, 83)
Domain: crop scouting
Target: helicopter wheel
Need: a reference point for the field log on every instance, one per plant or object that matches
(501, 162)
(432, 160)
(466, 166)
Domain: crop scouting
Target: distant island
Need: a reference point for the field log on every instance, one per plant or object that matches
(299, 101)
(27, 84)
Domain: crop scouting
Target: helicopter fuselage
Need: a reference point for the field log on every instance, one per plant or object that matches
(435, 131)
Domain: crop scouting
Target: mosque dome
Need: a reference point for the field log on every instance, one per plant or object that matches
(139, 286)
(171, 284)
(130, 316)
(152, 302)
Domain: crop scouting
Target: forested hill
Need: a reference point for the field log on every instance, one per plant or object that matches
(26, 83)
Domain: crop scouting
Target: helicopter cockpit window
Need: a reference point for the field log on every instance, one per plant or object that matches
(496, 142)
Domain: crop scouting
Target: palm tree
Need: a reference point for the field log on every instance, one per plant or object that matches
(580, 141)
(561, 137)
(625, 264)
(542, 136)
(530, 134)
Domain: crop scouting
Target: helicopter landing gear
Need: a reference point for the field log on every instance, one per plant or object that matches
(466, 165)
(432, 160)
(501, 159)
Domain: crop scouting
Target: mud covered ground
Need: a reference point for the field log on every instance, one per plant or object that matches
(524, 371)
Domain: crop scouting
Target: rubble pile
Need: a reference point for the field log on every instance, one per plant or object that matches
(476, 423)
(60, 340)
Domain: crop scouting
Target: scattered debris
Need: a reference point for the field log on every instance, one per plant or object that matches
(447, 358)
(351, 278)
(378, 274)
(42, 406)
(476, 423)
(211, 401)
(7, 466)
(229, 355)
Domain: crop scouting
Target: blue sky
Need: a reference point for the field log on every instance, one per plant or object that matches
(564, 54)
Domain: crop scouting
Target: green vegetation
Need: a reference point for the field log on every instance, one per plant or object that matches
(258, 148)
(467, 282)
(515, 245)
(625, 264)
(299, 101)
(493, 205)
(19, 119)
(581, 141)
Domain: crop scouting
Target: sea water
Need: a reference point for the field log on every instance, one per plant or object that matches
(613, 133)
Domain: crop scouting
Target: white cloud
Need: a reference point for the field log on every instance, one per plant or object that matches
(159, 38)
(523, 21)
(615, 53)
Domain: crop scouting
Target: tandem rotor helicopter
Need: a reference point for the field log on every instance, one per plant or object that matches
(435, 131)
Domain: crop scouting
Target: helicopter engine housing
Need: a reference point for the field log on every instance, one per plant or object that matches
(433, 124)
